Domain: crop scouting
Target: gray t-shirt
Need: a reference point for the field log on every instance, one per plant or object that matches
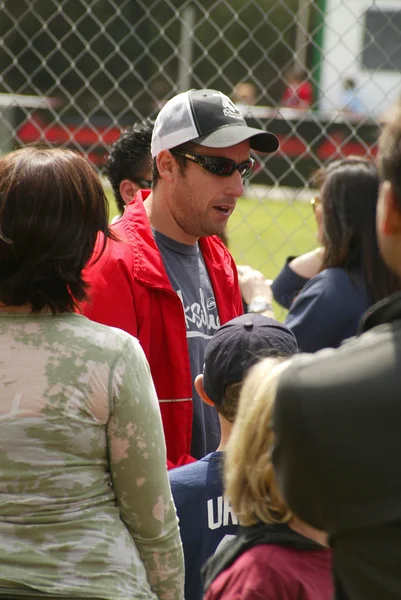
(188, 276)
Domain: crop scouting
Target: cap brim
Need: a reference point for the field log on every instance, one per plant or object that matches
(230, 135)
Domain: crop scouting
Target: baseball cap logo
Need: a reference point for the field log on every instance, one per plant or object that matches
(229, 108)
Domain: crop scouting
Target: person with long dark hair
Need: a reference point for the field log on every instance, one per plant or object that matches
(85, 504)
(351, 274)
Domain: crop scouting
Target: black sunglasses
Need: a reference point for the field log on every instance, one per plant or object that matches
(144, 184)
(218, 165)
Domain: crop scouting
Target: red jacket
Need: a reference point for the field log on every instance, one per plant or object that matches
(130, 290)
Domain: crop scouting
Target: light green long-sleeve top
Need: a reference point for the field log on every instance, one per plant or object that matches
(85, 504)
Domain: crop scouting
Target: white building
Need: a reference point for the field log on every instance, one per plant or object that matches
(362, 41)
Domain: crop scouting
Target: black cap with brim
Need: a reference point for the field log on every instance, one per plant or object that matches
(239, 344)
(230, 135)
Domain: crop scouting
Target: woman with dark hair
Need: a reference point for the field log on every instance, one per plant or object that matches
(85, 504)
(329, 289)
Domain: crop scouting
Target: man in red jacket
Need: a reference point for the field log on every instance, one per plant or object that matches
(169, 280)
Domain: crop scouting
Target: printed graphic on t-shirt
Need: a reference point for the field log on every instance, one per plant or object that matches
(201, 318)
(220, 513)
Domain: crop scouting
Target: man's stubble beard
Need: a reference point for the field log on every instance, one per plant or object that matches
(193, 224)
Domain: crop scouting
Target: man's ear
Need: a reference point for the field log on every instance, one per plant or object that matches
(201, 392)
(388, 212)
(128, 189)
(166, 165)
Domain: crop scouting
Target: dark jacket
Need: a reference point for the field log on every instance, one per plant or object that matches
(338, 448)
(328, 308)
(287, 285)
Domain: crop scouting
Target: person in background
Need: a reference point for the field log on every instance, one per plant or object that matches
(336, 423)
(298, 92)
(129, 164)
(205, 514)
(275, 555)
(350, 103)
(352, 274)
(244, 93)
(170, 281)
(86, 507)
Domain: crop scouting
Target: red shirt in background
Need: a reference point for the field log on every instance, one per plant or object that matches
(273, 572)
(298, 95)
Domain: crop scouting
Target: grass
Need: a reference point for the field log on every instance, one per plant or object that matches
(263, 233)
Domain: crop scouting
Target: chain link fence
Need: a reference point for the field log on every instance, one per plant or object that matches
(75, 72)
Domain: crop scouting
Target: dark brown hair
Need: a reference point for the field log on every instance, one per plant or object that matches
(130, 157)
(349, 193)
(52, 205)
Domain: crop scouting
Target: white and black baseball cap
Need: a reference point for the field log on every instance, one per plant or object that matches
(208, 118)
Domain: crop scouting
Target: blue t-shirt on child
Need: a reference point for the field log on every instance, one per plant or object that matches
(205, 515)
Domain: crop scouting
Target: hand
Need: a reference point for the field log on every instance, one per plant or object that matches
(253, 284)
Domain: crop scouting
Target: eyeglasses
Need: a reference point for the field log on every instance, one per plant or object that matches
(144, 184)
(314, 202)
(218, 165)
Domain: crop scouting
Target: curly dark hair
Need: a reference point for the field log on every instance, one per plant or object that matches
(129, 157)
(52, 206)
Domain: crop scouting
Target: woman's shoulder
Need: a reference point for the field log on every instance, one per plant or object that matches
(337, 280)
(97, 335)
(333, 288)
(333, 274)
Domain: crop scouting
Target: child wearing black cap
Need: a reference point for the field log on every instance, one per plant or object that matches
(205, 514)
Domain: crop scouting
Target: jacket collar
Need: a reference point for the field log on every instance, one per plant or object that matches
(149, 268)
(135, 228)
(385, 311)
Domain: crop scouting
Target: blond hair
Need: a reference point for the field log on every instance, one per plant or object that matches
(249, 476)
